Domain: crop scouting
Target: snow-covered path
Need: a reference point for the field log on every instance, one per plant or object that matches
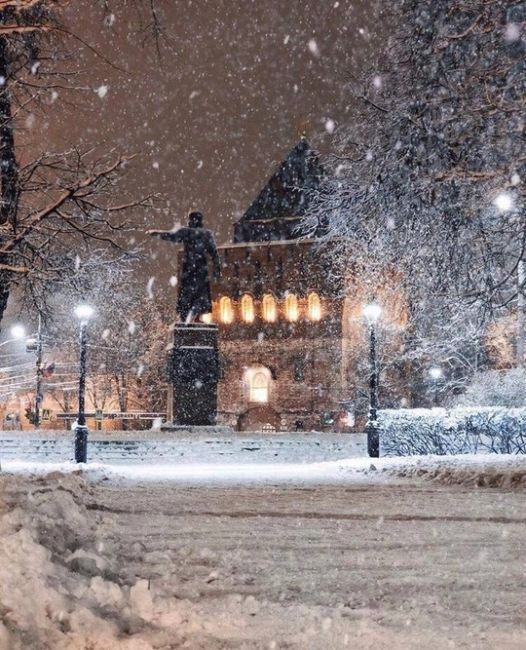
(107, 561)
(405, 566)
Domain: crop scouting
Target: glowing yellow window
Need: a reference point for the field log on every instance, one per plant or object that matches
(226, 311)
(292, 311)
(247, 309)
(270, 310)
(206, 318)
(314, 307)
(259, 388)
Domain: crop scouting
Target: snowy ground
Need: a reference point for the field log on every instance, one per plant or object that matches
(399, 553)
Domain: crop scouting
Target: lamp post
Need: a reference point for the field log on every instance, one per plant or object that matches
(372, 313)
(436, 374)
(40, 371)
(83, 313)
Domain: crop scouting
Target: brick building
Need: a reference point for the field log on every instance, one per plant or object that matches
(289, 327)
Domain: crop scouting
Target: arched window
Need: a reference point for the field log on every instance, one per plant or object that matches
(291, 307)
(259, 387)
(314, 306)
(226, 311)
(270, 311)
(247, 308)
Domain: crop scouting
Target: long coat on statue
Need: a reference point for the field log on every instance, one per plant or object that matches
(194, 289)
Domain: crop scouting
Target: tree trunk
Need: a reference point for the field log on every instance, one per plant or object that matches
(9, 172)
(521, 312)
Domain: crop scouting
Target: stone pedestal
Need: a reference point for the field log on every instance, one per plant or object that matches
(194, 373)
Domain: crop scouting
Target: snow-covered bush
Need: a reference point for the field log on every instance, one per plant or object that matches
(460, 430)
(496, 388)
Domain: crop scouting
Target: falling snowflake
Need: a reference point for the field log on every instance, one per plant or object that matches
(149, 287)
(102, 91)
(131, 327)
(173, 280)
(313, 47)
(109, 20)
(330, 126)
(512, 32)
(106, 334)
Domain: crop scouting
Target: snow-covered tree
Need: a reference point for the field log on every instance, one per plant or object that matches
(429, 175)
(49, 202)
(127, 339)
(505, 388)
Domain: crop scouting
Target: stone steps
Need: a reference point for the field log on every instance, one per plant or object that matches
(291, 448)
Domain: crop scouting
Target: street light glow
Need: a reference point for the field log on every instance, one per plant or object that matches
(503, 202)
(372, 312)
(84, 312)
(18, 331)
(435, 373)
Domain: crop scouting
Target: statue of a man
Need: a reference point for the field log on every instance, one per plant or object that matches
(194, 297)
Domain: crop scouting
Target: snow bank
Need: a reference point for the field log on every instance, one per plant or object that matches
(408, 432)
(503, 471)
(57, 589)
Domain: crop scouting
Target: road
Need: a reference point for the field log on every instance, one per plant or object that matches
(401, 565)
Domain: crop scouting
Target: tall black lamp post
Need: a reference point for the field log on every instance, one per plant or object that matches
(83, 313)
(372, 313)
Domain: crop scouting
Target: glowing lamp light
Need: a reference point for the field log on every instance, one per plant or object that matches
(18, 331)
(435, 373)
(84, 312)
(372, 312)
(503, 202)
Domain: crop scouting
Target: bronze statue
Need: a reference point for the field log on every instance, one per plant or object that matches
(194, 298)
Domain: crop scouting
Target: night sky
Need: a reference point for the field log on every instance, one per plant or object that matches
(215, 110)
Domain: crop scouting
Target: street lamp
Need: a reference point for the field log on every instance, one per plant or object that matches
(83, 313)
(436, 375)
(18, 332)
(372, 313)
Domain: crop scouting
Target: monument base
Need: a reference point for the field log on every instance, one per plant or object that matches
(211, 429)
(194, 374)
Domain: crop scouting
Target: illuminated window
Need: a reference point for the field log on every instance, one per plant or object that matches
(258, 390)
(226, 311)
(314, 306)
(291, 307)
(206, 318)
(247, 308)
(270, 311)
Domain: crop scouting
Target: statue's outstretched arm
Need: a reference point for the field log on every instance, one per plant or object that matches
(169, 235)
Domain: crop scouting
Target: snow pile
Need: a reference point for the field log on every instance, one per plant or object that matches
(57, 588)
(462, 430)
(507, 472)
